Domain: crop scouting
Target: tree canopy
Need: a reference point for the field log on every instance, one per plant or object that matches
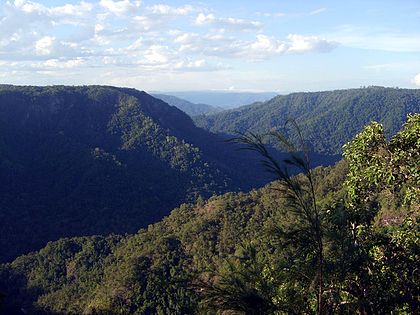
(251, 253)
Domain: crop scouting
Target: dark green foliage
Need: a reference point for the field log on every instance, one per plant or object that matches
(299, 191)
(95, 160)
(239, 286)
(328, 119)
(71, 263)
(156, 270)
(250, 253)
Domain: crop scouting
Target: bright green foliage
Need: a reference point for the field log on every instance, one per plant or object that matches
(383, 212)
(378, 166)
(405, 147)
(366, 153)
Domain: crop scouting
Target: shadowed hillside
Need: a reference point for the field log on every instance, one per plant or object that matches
(250, 253)
(96, 160)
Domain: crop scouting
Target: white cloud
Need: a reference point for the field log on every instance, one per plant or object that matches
(72, 9)
(103, 36)
(136, 45)
(301, 44)
(198, 65)
(186, 38)
(120, 7)
(157, 59)
(156, 55)
(30, 7)
(208, 44)
(416, 80)
(276, 14)
(295, 15)
(262, 47)
(23, 22)
(49, 66)
(265, 44)
(165, 9)
(44, 46)
(190, 64)
(159, 18)
(146, 23)
(232, 23)
(317, 11)
(64, 64)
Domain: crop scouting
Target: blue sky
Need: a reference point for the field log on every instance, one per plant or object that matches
(281, 46)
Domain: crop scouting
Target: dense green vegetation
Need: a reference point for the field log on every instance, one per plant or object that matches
(252, 253)
(328, 119)
(191, 109)
(94, 160)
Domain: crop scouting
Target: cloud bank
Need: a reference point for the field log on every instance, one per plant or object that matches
(113, 36)
(416, 80)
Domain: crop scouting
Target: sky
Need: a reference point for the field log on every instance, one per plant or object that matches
(236, 45)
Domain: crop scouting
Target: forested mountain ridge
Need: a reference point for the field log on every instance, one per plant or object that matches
(191, 109)
(251, 253)
(94, 160)
(327, 119)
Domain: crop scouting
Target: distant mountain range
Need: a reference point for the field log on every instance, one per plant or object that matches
(189, 108)
(224, 99)
(327, 119)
